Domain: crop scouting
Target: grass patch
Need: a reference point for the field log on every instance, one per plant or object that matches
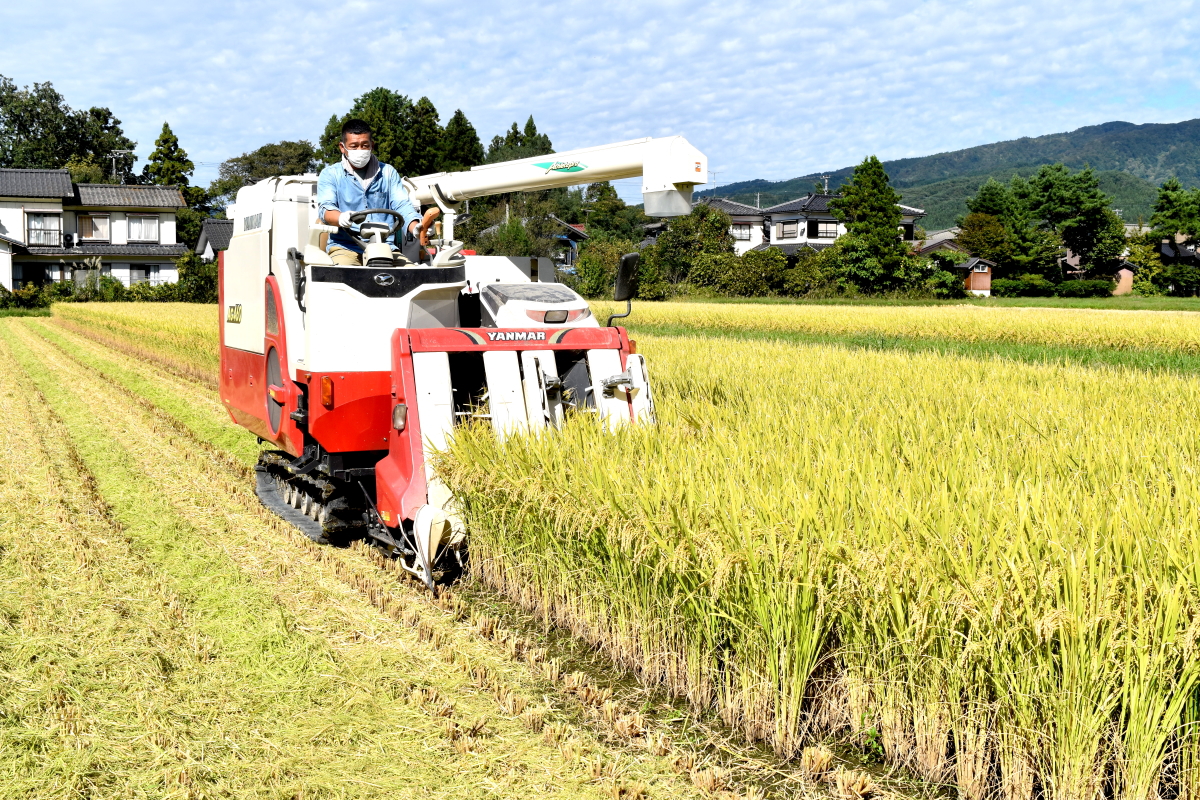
(24, 312)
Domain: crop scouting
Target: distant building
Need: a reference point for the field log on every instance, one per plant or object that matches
(747, 227)
(807, 222)
(978, 280)
(214, 237)
(48, 224)
(938, 241)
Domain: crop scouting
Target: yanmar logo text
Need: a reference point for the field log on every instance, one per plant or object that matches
(517, 336)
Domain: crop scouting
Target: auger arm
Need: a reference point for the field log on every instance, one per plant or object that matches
(669, 167)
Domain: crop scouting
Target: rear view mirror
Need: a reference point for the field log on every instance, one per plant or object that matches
(626, 277)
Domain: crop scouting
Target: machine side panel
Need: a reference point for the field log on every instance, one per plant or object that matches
(360, 416)
(289, 437)
(243, 307)
(604, 364)
(435, 402)
(400, 477)
(243, 389)
(506, 396)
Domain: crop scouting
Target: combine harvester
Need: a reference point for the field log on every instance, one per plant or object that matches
(358, 375)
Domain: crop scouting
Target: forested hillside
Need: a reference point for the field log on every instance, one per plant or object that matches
(1131, 161)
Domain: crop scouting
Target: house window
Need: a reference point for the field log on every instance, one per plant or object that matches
(144, 273)
(740, 232)
(143, 229)
(789, 230)
(826, 230)
(93, 227)
(981, 267)
(45, 230)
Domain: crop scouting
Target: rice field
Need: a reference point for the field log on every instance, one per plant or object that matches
(984, 568)
(1172, 331)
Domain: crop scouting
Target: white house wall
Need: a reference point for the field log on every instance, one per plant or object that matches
(118, 228)
(166, 228)
(6, 279)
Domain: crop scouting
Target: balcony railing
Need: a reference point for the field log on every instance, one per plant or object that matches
(44, 238)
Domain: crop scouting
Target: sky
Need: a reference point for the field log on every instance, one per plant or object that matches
(766, 89)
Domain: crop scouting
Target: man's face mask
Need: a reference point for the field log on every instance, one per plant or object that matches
(358, 158)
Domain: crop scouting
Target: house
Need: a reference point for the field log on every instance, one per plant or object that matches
(747, 227)
(939, 241)
(214, 237)
(807, 222)
(978, 280)
(48, 225)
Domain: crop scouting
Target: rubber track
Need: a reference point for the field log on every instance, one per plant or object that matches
(268, 494)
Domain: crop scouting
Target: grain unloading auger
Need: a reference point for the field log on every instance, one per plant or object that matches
(358, 375)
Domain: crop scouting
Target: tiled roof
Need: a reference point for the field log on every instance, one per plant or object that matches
(970, 263)
(810, 202)
(216, 232)
(153, 250)
(105, 194)
(731, 206)
(48, 183)
(819, 204)
(9, 239)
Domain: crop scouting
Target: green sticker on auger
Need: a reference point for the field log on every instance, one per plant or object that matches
(562, 166)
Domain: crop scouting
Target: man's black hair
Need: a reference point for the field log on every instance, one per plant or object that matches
(355, 126)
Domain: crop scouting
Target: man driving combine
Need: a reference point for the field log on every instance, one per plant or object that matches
(357, 182)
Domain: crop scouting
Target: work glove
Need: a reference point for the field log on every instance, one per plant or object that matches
(344, 220)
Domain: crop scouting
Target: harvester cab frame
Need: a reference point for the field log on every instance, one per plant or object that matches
(358, 375)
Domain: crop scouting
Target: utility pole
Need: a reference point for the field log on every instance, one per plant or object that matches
(758, 199)
(714, 174)
(826, 178)
(114, 155)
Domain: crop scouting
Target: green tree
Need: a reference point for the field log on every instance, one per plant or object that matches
(268, 161)
(875, 258)
(461, 148)
(424, 141)
(1176, 210)
(169, 163)
(608, 215)
(85, 169)
(518, 143)
(38, 130)
(388, 113)
(993, 199)
(1074, 208)
(704, 231)
(984, 235)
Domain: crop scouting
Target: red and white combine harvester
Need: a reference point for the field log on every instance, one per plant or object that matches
(359, 374)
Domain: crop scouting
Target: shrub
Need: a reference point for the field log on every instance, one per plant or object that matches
(1181, 280)
(28, 296)
(811, 274)
(1033, 286)
(1085, 289)
(946, 285)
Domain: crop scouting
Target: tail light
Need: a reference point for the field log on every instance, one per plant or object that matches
(327, 391)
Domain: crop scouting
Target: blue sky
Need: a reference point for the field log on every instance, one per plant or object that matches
(766, 89)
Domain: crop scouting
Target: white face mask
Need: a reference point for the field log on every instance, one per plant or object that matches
(358, 158)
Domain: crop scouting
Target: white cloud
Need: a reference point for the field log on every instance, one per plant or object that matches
(773, 91)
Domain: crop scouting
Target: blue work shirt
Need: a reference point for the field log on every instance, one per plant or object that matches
(339, 189)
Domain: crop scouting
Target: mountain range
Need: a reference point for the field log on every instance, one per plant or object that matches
(1130, 161)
